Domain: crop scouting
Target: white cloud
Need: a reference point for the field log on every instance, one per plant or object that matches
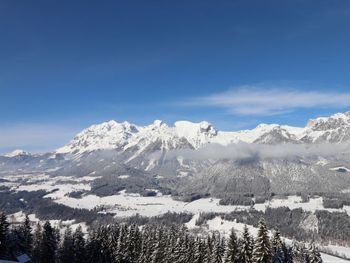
(252, 100)
(34, 137)
(261, 151)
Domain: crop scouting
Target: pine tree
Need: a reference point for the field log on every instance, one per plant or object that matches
(218, 250)
(314, 255)
(27, 236)
(198, 251)
(158, 252)
(66, 251)
(79, 246)
(297, 253)
(37, 239)
(48, 244)
(277, 248)
(4, 235)
(287, 253)
(207, 250)
(246, 247)
(262, 249)
(146, 244)
(231, 253)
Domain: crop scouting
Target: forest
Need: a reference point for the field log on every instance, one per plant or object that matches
(150, 243)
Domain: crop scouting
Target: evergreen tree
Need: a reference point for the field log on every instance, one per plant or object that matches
(314, 255)
(48, 244)
(297, 253)
(198, 251)
(121, 251)
(218, 250)
(262, 249)
(287, 253)
(37, 239)
(79, 246)
(66, 251)
(277, 248)
(158, 251)
(4, 236)
(27, 236)
(246, 247)
(146, 244)
(231, 253)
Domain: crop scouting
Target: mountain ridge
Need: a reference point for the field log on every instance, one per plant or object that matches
(113, 135)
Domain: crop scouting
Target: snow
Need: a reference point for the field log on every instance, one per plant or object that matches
(16, 153)
(19, 217)
(124, 176)
(340, 169)
(126, 204)
(124, 136)
(294, 202)
(331, 259)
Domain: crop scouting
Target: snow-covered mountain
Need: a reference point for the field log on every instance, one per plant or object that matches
(113, 149)
(184, 134)
(17, 152)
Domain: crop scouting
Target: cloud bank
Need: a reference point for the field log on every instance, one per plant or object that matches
(252, 100)
(263, 151)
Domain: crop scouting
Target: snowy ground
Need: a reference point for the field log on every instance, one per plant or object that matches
(19, 217)
(124, 204)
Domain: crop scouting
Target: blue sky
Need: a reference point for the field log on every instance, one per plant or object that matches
(67, 64)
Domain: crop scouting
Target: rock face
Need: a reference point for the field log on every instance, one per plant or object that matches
(147, 152)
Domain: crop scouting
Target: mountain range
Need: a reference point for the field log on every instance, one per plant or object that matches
(157, 156)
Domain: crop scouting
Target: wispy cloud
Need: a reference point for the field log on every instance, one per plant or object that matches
(34, 137)
(253, 100)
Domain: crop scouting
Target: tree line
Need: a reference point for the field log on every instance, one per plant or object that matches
(129, 243)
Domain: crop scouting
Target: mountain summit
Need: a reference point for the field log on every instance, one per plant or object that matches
(113, 135)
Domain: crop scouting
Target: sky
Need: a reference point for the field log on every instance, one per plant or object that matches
(65, 65)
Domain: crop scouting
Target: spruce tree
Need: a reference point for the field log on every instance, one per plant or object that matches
(262, 248)
(246, 247)
(298, 253)
(66, 251)
(314, 255)
(198, 251)
(231, 253)
(277, 248)
(26, 231)
(37, 239)
(218, 250)
(79, 246)
(4, 235)
(48, 244)
(158, 252)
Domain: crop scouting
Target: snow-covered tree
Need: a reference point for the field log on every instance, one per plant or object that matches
(231, 252)
(218, 249)
(314, 254)
(198, 251)
(277, 248)
(262, 248)
(246, 247)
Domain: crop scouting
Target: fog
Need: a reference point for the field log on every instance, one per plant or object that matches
(262, 151)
